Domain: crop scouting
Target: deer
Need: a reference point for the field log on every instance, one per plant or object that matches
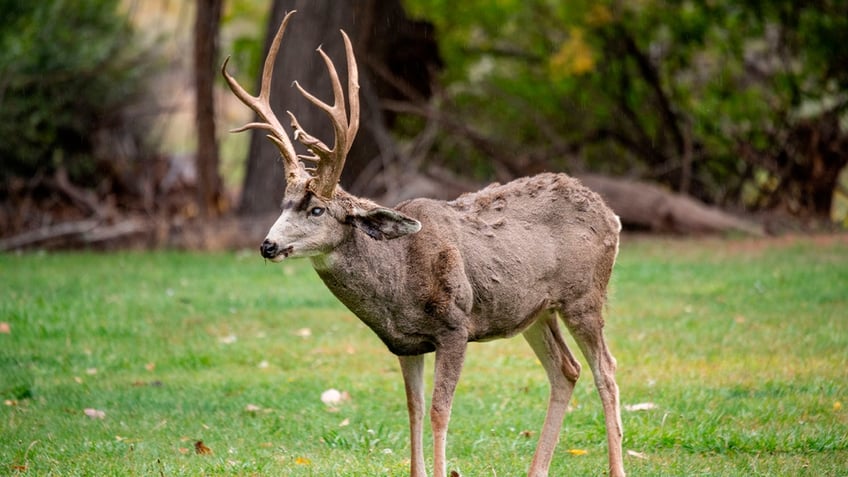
(431, 276)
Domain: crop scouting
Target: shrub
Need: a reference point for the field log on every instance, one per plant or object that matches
(68, 72)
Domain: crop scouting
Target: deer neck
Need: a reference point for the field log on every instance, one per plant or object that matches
(370, 278)
(361, 261)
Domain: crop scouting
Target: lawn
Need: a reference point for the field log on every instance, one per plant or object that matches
(120, 363)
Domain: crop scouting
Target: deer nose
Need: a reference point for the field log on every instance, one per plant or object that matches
(268, 249)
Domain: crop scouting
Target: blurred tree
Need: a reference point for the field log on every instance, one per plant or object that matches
(69, 70)
(735, 102)
(206, 33)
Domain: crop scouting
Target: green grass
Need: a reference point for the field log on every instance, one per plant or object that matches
(741, 345)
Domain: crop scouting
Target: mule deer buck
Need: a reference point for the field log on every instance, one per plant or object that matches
(432, 276)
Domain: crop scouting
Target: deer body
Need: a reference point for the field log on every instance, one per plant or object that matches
(485, 265)
(432, 276)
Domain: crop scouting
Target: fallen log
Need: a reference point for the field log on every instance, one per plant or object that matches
(47, 233)
(77, 233)
(649, 207)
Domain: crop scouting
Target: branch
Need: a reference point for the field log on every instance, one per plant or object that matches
(85, 199)
(505, 52)
(496, 151)
(652, 77)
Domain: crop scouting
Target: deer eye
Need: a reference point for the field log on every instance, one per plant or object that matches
(316, 211)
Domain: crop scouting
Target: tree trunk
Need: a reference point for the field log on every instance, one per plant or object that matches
(317, 22)
(206, 28)
(812, 174)
(374, 27)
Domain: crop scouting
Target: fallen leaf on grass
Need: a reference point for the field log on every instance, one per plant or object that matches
(334, 397)
(182, 450)
(5, 328)
(150, 366)
(345, 422)
(642, 406)
(229, 339)
(94, 413)
(200, 448)
(252, 408)
(302, 461)
(303, 333)
(578, 451)
(454, 474)
(638, 455)
(837, 406)
(25, 466)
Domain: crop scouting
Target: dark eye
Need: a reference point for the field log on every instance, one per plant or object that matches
(316, 211)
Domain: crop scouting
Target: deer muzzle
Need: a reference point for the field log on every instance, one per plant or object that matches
(271, 250)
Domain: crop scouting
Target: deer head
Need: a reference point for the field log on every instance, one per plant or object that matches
(317, 215)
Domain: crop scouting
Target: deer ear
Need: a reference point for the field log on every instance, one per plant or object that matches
(384, 224)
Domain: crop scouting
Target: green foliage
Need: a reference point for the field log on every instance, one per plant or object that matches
(243, 29)
(68, 69)
(703, 96)
(742, 346)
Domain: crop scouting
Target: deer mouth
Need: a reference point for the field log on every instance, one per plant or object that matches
(271, 251)
(281, 254)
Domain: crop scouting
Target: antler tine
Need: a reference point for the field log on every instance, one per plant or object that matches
(331, 161)
(262, 106)
(353, 91)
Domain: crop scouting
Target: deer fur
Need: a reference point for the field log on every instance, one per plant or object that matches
(432, 276)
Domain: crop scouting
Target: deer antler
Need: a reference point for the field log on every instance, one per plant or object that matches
(262, 106)
(330, 162)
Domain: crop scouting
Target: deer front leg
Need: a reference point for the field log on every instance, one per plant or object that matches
(412, 368)
(449, 360)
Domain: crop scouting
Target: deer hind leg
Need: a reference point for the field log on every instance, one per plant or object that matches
(563, 370)
(587, 328)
